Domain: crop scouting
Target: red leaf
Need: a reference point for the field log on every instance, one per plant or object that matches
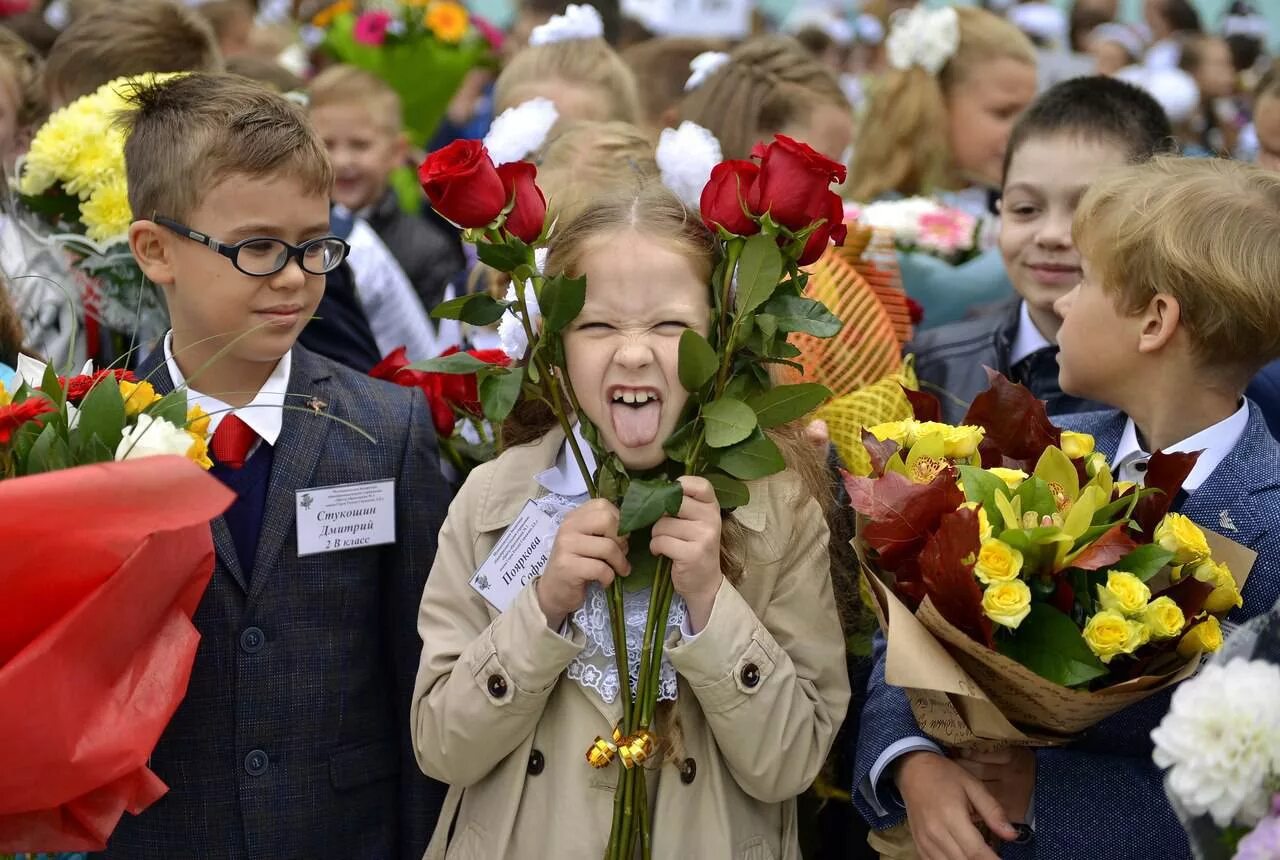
(924, 405)
(1114, 545)
(1014, 419)
(1190, 594)
(1165, 472)
(903, 514)
(878, 451)
(946, 565)
(1064, 596)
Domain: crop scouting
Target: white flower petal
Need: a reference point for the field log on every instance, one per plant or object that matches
(520, 130)
(704, 66)
(577, 22)
(685, 157)
(152, 437)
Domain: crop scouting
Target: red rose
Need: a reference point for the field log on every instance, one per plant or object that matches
(724, 196)
(462, 184)
(793, 184)
(526, 217)
(831, 230)
(445, 391)
(14, 416)
(77, 387)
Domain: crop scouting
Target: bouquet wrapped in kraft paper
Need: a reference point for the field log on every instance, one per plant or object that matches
(1025, 595)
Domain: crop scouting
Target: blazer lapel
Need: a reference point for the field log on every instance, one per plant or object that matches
(153, 369)
(1223, 501)
(296, 454)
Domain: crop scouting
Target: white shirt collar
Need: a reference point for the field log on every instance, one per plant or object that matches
(1027, 339)
(565, 478)
(1214, 443)
(264, 413)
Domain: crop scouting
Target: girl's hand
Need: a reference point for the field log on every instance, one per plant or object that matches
(587, 549)
(691, 539)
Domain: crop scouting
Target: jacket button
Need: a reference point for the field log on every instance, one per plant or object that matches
(252, 640)
(255, 763)
(497, 686)
(688, 770)
(750, 675)
(536, 763)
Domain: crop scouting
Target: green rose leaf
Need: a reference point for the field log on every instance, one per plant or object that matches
(458, 363)
(698, 362)
(728, 422)
(562, 301)
(504, 257)
(499, 392)
(646, 502)
(759, 270)
(768, 325)
(51, 387)
(794, 313)
(49, 453)
(1145, 561)
(102, 415)
(644, 564)
(757, 457)
(172, 408)
(680, 443)
(730, 492)
(785, 403)
(478, 309)
(1049, 644)
(981, 486)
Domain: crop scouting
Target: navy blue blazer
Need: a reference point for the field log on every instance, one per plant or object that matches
(293, 739)
(1102, 796)
(1264, 390)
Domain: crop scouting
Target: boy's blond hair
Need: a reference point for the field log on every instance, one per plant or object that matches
(21, 62)
(187, 134)
(347, 85)
(1202, 230)
(113, 40)
(580, 62)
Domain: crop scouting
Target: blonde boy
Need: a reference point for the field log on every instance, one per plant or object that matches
(358, 116)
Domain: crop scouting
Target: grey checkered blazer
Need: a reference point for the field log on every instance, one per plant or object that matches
(293, 739)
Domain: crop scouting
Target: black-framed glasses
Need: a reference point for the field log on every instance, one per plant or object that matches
(262, 256)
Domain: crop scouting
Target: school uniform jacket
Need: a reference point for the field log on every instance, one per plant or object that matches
(1102, 796)
(293, 738)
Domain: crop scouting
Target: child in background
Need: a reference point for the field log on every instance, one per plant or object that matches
(293, 739)
(569, 62)
(22, 102)
(503, 702)
(1114, 47)
(1216, 124)
(1174, 313)
(232, 23)
(663, 65)
(766, 86)
(358, 116)
(111, 40)
(1265, 388)
(1072, 133)
(938, 125)
(1171, 22)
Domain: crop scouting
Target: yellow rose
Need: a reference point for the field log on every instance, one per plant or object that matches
(902, 432)
(137, 396)
(198, 453)
(997, 562)
(1204, 638)
(962, 442)
(1226, 594)
(1007, 603)
(197, 422)
(1183, 538)
(1012, 478)
(1076, 445)
(1109, 634)
(1164, 618)
(1095, 464)
(1124, 593)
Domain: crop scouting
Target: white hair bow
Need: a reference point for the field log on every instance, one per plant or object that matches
(520, 130)
(577, 22)
(685, 157)
(922, 37)
(704, 66)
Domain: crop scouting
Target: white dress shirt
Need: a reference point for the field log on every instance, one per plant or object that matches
(264, 413)
(1214, 443)
(1027, 339)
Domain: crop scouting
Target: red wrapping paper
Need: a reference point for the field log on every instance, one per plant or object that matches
(101, 570)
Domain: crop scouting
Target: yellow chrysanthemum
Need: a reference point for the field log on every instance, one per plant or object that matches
(106, 214)
(325, 16)
(198, 421)
(198, 453)
(447, 21)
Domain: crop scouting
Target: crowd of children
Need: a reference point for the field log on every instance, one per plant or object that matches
(367, 703)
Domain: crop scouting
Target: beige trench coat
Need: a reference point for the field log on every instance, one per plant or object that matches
(762, 692)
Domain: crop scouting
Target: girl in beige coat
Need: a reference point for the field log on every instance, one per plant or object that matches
(507, 704)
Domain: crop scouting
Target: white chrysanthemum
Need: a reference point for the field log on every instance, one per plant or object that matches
(923, 37)
(520, 130)
(577, 22)
(704, 66)
(511, 333)
(899, 217)
(685, 157)
(1221, 741)
(152, 437)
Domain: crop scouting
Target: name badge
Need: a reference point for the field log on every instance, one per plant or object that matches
(346, 516)
(518, 559)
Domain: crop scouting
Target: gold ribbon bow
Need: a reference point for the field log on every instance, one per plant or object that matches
(632, 750)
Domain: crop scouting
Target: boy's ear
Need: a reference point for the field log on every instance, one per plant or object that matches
(150, 247)
(1160, 322)
(401, 150)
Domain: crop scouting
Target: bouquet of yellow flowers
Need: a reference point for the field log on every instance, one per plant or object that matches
(422, 48)
(1056, 594)
(73, 182)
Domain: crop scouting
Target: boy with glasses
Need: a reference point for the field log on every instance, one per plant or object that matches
(293, 739)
